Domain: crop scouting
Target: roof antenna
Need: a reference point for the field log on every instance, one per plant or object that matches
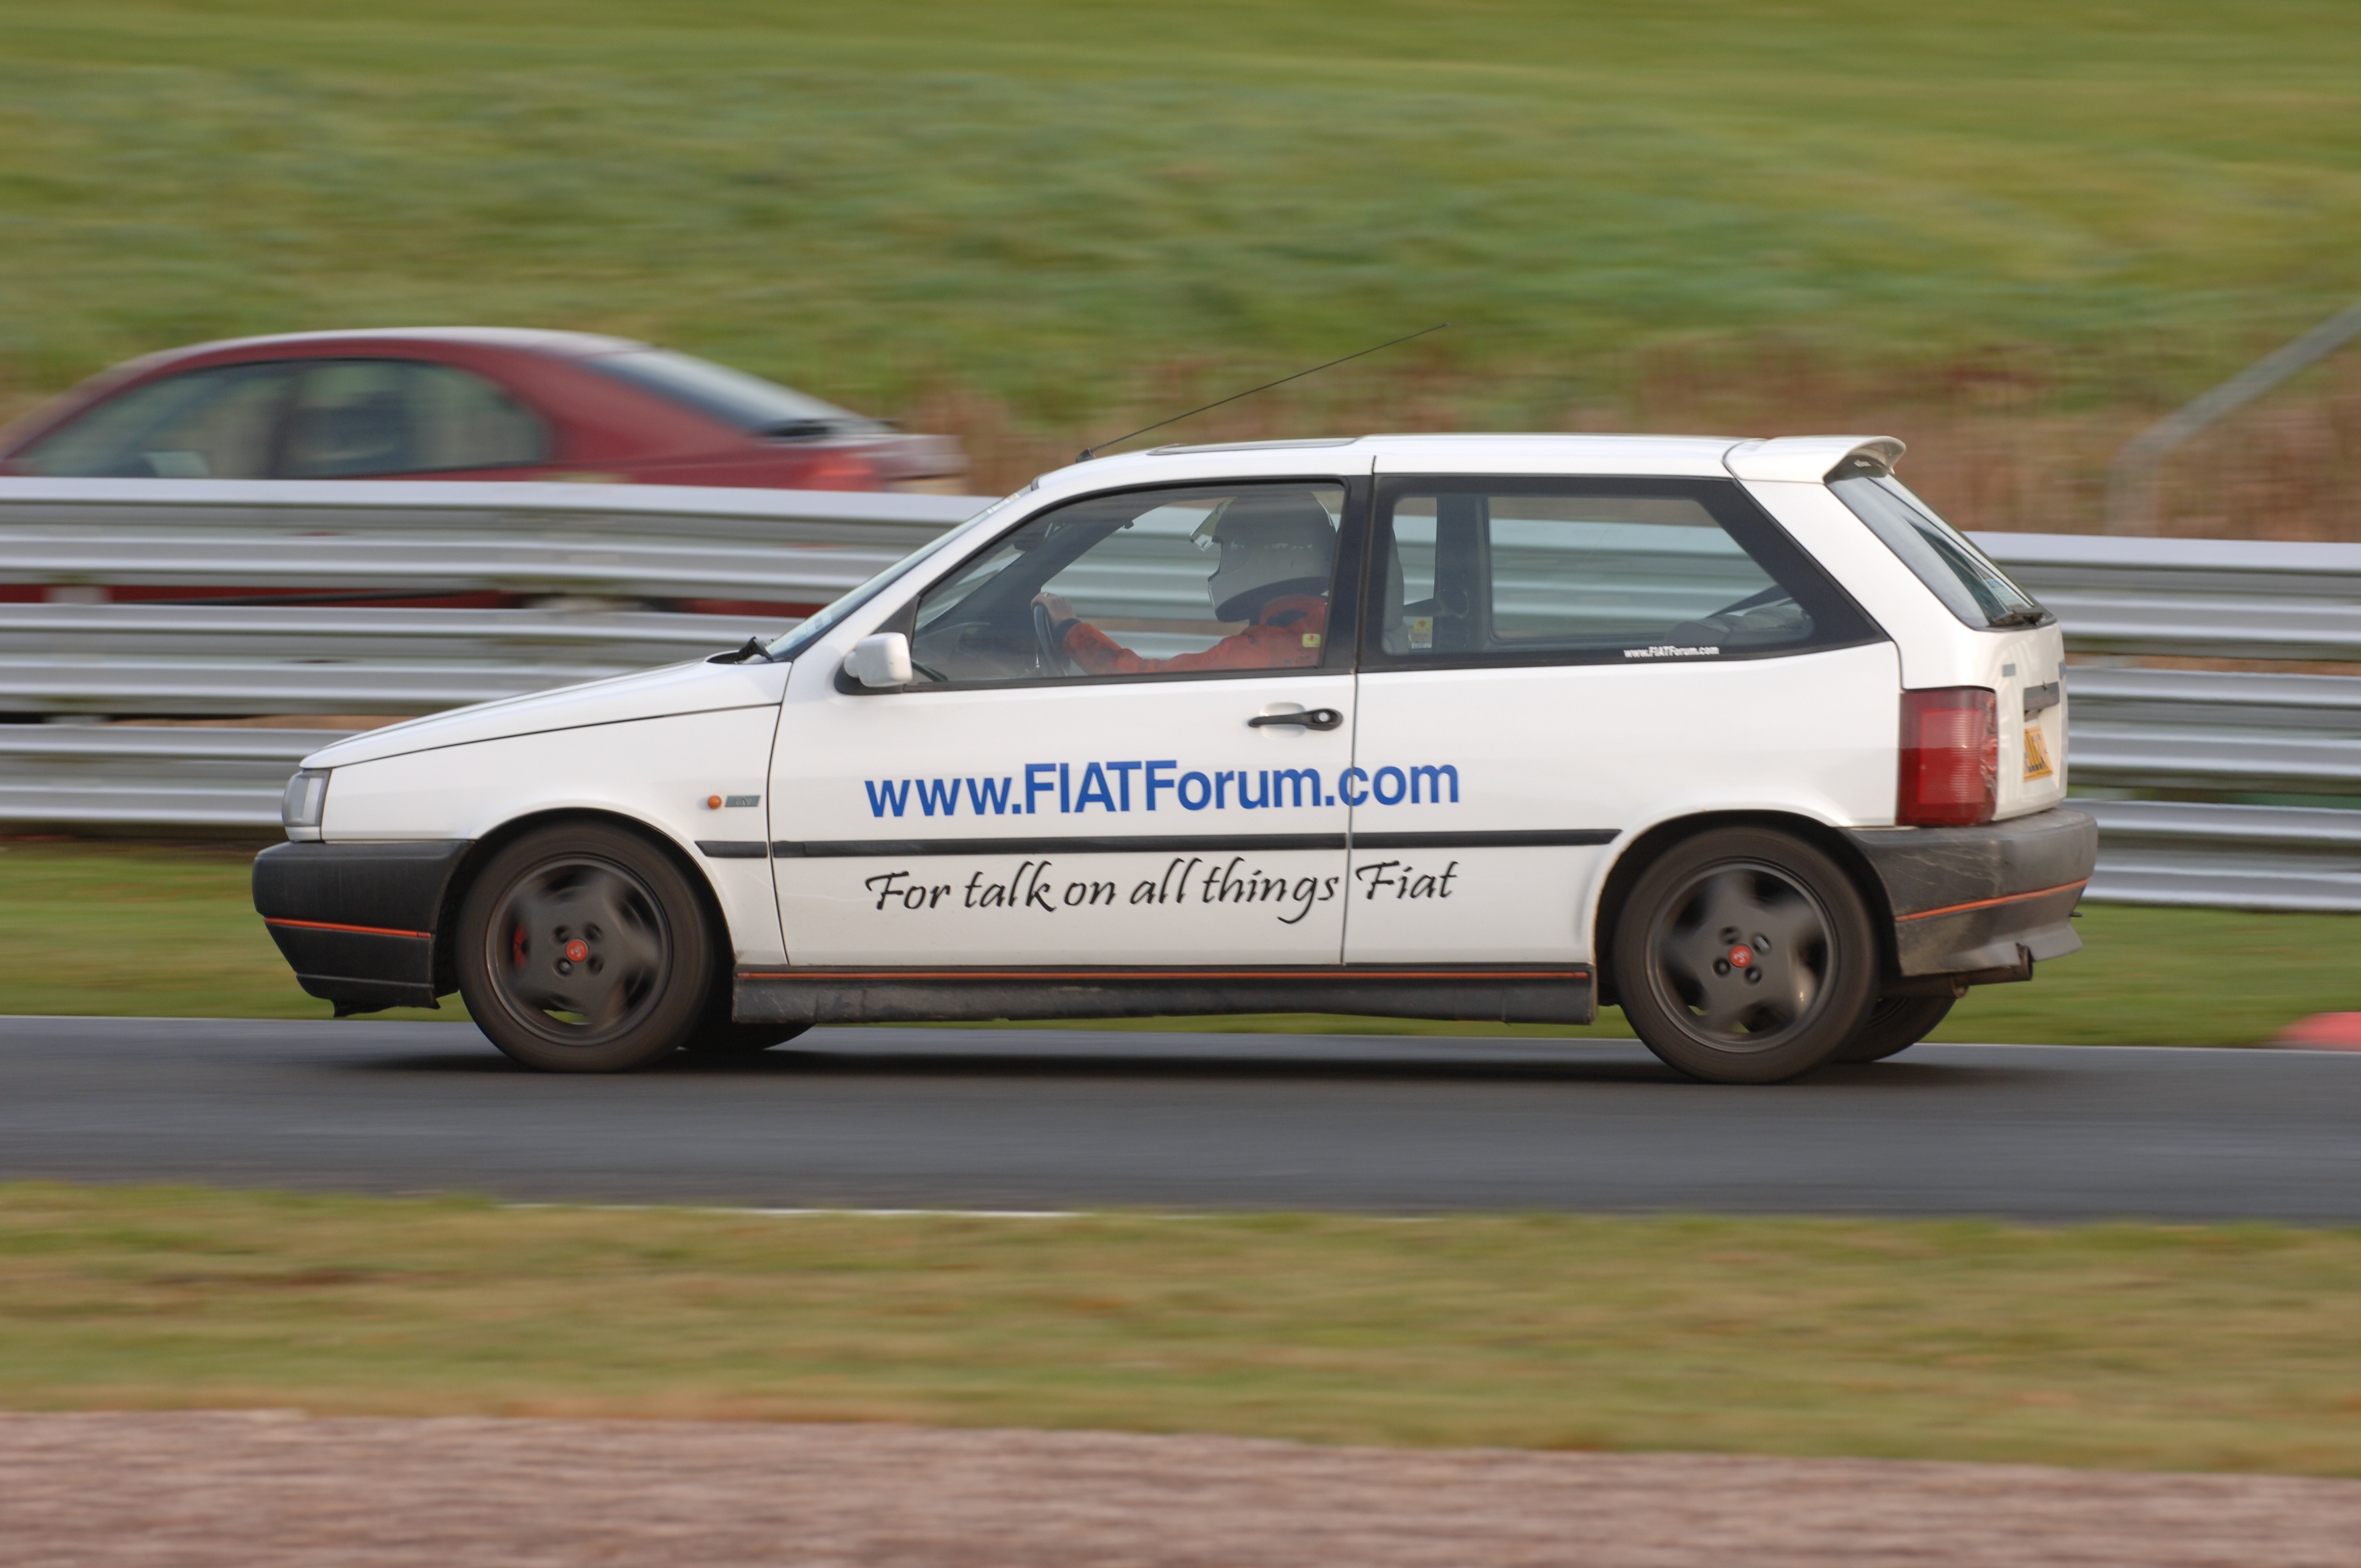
(1090, 451)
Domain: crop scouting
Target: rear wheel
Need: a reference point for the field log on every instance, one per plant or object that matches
(582, 947)
(1745, 956)
(1893, 1026)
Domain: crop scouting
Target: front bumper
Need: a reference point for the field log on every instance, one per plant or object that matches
(1977, 905)
(358, 921)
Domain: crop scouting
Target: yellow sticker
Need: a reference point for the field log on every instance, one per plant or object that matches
(1311, 639)
(2036, 754)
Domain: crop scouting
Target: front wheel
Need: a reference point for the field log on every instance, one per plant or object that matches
(582, 947)
(1745, 956)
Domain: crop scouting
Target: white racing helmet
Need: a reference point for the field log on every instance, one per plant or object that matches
(1273, 543)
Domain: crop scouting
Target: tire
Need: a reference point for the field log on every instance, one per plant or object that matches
(1745, 956)
(583, 947)
(720, 1039)
(1894, 1025)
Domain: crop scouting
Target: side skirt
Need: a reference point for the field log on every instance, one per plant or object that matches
(1508, 993)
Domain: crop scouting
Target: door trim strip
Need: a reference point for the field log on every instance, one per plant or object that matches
(1104, 844)
(1510, 839)
(1184, 843)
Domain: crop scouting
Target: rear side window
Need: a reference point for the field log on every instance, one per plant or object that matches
(1525, 571)
(219, 423)
(1943, 558)
(358, 418)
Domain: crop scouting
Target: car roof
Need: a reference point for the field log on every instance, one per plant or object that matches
(535, 340)
(1810, 457)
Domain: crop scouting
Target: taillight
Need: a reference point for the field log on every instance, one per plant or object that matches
(1951, 757)
(839, 471)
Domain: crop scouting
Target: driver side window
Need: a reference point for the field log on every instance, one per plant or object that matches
(1199, 579)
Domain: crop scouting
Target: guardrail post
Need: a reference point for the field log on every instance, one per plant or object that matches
(2131, 478)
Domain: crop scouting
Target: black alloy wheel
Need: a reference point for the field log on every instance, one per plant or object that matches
(1893, 1026)
(1745, 956)
(584, 948)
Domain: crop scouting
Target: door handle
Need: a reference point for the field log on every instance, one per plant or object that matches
(1318, 719)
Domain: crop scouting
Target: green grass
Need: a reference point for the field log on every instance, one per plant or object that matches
(1923, 1339)
(1063, 207)
(130, 929)
(122, 929)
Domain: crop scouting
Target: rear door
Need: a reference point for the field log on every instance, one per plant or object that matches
(1550, 663)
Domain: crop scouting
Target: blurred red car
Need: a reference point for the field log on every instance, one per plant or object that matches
(462, 404)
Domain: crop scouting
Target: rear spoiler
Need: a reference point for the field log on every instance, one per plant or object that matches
(1811, 459)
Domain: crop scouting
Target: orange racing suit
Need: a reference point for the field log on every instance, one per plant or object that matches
(1286, 636)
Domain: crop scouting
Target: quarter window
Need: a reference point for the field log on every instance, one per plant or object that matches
(1183, 581)
(1542, 572)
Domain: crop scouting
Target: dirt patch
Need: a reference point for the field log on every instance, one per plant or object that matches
(187, 1489)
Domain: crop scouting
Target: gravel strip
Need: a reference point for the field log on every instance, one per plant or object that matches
(271, 1488)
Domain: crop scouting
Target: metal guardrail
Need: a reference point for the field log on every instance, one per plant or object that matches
(194, 661)
(125, 773)
(600, 547)
(550, 541)
(2237, 754)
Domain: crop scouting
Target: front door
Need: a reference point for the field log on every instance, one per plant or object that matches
(1550, 663)
(1128, 741)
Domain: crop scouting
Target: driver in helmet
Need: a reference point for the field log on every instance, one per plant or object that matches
(1277, 548)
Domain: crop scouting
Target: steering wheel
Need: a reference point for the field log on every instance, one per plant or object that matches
(1051, 651)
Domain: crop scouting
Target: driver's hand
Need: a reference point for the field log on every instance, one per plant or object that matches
(1059, 610)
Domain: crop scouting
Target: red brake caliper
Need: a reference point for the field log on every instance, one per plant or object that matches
(516, 946)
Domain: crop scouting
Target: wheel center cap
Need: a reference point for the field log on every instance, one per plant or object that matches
(577, 950)
(1741, 955)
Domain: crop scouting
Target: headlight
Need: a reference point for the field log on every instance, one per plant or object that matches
(306, 797)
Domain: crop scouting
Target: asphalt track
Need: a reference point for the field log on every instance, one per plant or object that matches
(1066, 1119)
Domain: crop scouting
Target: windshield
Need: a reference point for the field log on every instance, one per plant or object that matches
(748, 403)
(806, 633)
(1942, 558)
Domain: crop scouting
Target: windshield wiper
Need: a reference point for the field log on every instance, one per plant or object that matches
(2033, 617)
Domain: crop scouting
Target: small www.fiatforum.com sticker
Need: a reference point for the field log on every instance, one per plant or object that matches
(1670, 651)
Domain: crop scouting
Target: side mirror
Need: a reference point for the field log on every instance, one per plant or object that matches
(879, 661)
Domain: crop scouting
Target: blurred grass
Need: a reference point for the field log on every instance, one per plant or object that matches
(1054, 212)
(1920, 1340)
(126, 928)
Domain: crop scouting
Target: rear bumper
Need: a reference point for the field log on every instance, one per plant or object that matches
(358, 921)
(1977, 905)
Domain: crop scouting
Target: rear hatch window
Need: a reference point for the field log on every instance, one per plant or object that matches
(1958, 573)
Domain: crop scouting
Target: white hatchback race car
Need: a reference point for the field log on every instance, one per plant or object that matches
(1737, 735)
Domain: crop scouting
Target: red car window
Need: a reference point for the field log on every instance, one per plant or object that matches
(215, 423)
(357, 417)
